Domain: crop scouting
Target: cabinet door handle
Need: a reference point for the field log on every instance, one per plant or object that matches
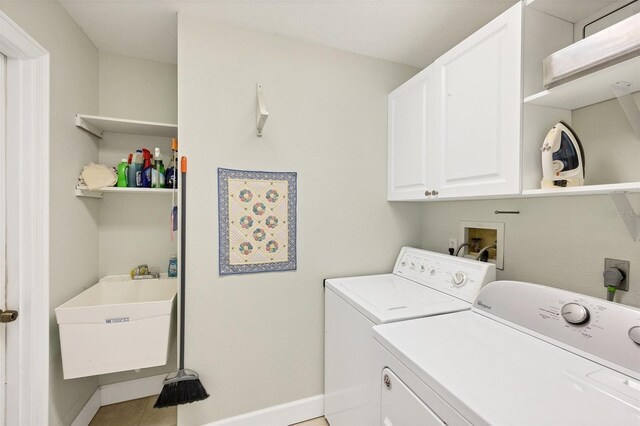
(435, 192)
(427, 193)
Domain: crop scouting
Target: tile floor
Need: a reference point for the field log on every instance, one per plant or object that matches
(319, 421)
(140, 412)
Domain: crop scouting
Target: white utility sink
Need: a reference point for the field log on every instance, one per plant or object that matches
(118, 324)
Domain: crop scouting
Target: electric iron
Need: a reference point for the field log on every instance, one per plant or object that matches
(562, 158)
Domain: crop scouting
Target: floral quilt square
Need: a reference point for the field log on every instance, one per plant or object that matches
(257, 221)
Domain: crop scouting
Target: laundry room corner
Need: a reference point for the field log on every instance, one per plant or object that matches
(257, 339)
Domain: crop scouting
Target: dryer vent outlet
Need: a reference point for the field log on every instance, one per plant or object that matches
(479, 235)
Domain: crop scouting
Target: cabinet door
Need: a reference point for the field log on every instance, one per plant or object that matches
(410, 123)
(480, 111)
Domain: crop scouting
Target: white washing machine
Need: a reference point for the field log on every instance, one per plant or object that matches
(422, 284)
(524, 355)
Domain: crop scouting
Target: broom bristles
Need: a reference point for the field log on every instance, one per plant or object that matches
(182, 392)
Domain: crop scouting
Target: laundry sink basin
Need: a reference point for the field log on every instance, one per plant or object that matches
(118, 324)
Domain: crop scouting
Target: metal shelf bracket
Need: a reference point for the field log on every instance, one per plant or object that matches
(623, 91)
(626, 211)
(89, 194)
(261, 110)
(88, 127)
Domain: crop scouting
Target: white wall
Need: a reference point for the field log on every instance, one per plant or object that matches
(74, 227)
(612, 151)
(138, 89)
(559, 241)
(257, 340)
(134, 229)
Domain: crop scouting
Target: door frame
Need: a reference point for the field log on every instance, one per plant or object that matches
(27, 390)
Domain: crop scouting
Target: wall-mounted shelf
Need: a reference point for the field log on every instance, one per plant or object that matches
(83, 191)
(98, 125)
(583, 190)
(589, 89)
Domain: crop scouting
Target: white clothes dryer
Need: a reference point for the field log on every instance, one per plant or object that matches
(525, 354)
(422, 284)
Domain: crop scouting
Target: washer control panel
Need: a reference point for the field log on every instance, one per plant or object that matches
(585, 325)
(456, 276)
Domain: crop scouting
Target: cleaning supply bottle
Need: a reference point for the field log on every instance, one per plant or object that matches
(173, 266)
(157, 174)
(171, 178)
(123, 170)
(146, 168)
(135, 169)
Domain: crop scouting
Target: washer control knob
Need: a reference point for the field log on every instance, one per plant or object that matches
(634, 334)
(403, 263)
(412, 266)
(458, 278)
(574, 313)
(422, 268)
(432, 271)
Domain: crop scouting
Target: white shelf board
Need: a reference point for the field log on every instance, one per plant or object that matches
(589, 89)
(583, 190)
(83, 191)
(98, 125)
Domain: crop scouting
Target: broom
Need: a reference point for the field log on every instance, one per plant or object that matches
(183, 386)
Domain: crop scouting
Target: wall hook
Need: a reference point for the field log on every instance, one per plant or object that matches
(261, 110)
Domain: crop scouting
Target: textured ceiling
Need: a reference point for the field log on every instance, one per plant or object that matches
(413, 32)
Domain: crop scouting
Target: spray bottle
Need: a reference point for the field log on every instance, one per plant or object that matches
(146, 168)
(157, 174)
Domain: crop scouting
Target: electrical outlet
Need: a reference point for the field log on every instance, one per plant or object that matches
(453, 243)
(623, 265)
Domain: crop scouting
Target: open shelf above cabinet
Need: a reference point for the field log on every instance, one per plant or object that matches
(83, 191)
(98, 125)
(583, 190)
(589, 89)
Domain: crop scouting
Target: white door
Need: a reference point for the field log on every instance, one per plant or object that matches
(480, 111)
(24, 227)
(411, 123)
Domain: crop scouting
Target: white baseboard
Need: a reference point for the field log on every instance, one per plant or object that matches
(118, 392)
(132, 389)
(279, 415)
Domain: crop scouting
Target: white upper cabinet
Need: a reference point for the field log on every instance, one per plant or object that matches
(411, 124)
(478, 143)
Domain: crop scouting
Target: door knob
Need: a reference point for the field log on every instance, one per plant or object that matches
(8, 315)
(427, 193)
(435, 192)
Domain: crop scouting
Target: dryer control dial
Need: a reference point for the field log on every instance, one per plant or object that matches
(458, 278)
(574, 313)
(634, 334)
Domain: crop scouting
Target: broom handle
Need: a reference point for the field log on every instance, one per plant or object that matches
(183, 228)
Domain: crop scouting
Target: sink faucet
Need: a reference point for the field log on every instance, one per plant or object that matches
(460, 248)
(483, 255)
(142, 272)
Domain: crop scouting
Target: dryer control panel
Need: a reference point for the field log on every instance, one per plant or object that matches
(595, 328)
(456, 276)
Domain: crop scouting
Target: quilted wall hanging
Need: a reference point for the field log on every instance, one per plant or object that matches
(257, 221)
